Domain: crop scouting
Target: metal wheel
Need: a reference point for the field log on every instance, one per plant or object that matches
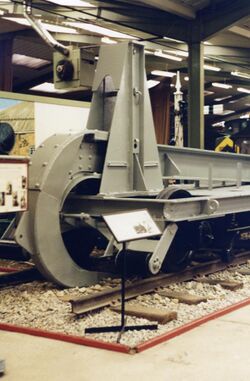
(180, 251)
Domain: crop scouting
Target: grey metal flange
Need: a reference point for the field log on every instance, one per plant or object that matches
(58, 165)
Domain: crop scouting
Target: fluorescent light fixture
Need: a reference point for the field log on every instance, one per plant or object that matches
(58, 28)
(211, 67)
(239, 74)
(173, 39)
(245, 116)
(180, 53)
(47, 87)
(49, 27)
(163, 73)
(108, 40)
(30, 62)
(152, 83)
(221, 85)
(206, 92)
(227, 112)
(159, 53)
(207, 43)
(72, 3)
(223, 98)
(100, 30)
(219, 124)
(243, 90)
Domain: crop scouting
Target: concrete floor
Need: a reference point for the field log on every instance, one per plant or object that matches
(216, 351)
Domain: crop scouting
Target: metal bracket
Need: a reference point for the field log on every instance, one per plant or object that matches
(162, 247)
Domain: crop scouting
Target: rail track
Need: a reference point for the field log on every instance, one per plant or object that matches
(105, 298)
(183, 297)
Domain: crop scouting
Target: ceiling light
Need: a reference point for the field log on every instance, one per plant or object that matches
(219, 124)
(73, 3)
(30, 62)
(58, 28)
(152, 83)
(245, 116)
(223, 98)
(49, 27)
(207, 43)
(206, 92)
(227, 112)
(180, 53)
(243, 90)
(108, 40)
(222, 85)
(163, 73)
(159, 53)
(100, 30)
(186, 78)
(211, 67)
(48, 87)
(173, 39)
(239, 74)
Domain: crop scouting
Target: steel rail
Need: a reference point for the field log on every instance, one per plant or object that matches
(105, 298)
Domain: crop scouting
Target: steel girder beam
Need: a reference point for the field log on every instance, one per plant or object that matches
(179, 9)
(213, 19)
(240, 31)
(140, 18)
(196, 96)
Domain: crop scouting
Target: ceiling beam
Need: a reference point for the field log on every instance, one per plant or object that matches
(227, 51)
(45, 77)
(223, 15)
(139, 18)
(240, 31)
(171, 6)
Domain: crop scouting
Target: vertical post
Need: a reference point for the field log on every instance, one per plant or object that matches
(196, 95)
(6, 64)
(123, 286)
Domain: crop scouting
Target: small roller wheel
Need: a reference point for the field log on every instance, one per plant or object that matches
(180, 253)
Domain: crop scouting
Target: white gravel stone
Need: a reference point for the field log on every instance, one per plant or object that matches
(38, 305)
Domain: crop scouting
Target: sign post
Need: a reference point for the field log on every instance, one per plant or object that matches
(125, 227)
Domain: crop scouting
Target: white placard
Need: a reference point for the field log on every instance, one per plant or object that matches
(13, 185)
(130, 226)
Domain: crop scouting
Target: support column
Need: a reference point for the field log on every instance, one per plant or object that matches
(6, 64)
(196, 95)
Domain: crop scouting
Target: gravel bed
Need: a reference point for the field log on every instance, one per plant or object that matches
(40, 305)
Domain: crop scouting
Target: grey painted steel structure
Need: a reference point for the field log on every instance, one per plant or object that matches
(117, 160)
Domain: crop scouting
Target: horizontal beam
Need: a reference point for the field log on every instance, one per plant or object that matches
(179, 9)
(240, 31)
(224, 15)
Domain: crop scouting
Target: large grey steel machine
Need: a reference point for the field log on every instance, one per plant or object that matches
(115, 165)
